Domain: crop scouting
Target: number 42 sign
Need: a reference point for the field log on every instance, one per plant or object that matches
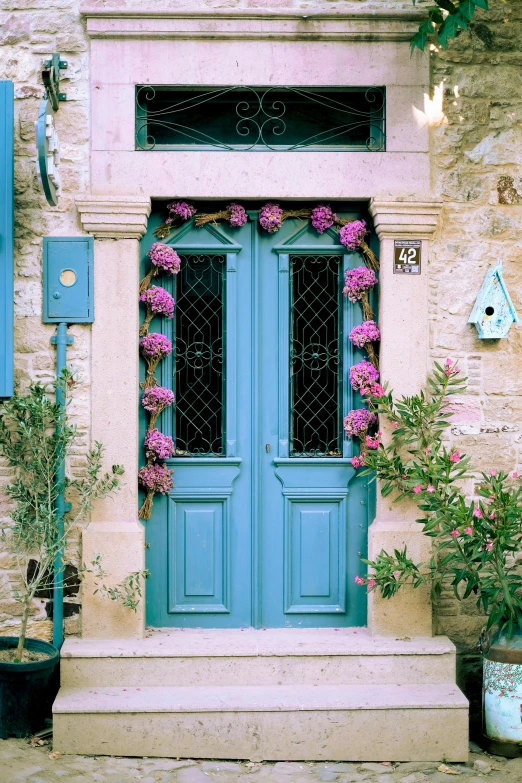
(407, 260)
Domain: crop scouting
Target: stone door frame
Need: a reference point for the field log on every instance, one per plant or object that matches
(396, 183)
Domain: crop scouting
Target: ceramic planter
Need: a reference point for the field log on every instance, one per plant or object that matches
(27, 690)
(502, 695)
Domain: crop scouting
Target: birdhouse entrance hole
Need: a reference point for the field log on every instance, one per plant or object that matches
(490, 310)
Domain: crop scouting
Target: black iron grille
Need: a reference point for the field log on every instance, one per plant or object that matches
(315, 356)
(199, 356)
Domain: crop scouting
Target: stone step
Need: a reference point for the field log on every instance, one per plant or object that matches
(272, 657)
(297, 722)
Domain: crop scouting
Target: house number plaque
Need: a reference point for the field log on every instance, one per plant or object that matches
(407, 258)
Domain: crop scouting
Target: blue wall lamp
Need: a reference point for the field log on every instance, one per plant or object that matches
(493, 312)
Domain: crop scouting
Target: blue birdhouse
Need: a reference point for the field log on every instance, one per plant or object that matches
(493, 312)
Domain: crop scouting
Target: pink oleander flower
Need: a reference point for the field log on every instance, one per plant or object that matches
(155, 346)
(455, 533)
(357, 282)
(396, 574)
(359, 580)
(158, 446)
(455, 457)
(322, 217)
(357, 462)
(394, 424)
(417, 489)
(430, 488)
(492, 515)
(477, 512)
(358, 421)
(352, 234)
(157, 398)
(451, 368)
(156, 478)
(468, 531)
(376, 390)
(489, 545)
(515, 474)
(367, 332)
(271, 217)
(371, 584)
(181, 209)
(372, 443)
(238, 215)
(165, 258)
(159, 300)
(492, 472)
(425, 470)
(362, 376)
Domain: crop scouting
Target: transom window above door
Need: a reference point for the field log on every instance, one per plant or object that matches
(285, 119)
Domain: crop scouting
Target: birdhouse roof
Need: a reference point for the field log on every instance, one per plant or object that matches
(494, 272)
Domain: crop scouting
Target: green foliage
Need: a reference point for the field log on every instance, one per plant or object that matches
(128, 591)
(446, 20)
(475, 540)
(36, 439)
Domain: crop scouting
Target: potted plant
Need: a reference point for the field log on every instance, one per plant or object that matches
(35, 439)
(476, 539)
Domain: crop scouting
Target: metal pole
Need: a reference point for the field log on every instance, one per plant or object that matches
(61, 340)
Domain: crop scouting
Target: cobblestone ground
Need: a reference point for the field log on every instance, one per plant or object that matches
(21, 762)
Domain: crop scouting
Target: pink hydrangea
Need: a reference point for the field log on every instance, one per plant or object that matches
(156, 478)
(367, 332)
(358, 421)
(238, 215)
(363, 375)
(357, 282)
(352, 234)
(181, 209)
(323, 217)
(158, 446)
(155, 346)
(164, 257)
(157, 398)
(159, 300)
(271, 217)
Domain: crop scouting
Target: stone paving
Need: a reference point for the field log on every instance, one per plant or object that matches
(23, 762)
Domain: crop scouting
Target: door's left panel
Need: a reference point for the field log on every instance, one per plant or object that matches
(199, 536)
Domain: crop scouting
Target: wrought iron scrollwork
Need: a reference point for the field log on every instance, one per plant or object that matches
(315, 356)
(199, 356)
(247, 118)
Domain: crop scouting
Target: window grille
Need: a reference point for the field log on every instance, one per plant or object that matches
(315, 356)
(199, 356)
(242, 118)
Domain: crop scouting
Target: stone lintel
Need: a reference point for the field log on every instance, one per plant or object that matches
(114, 217)
(416, 219)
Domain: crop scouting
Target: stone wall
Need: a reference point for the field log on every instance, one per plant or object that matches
(31, 30)
(477, 171)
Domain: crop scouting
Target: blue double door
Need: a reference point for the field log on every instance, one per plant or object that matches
(267, 521)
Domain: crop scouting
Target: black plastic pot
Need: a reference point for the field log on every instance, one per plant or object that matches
(27, 690)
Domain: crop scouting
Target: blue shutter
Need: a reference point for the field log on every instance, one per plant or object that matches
(6, 237)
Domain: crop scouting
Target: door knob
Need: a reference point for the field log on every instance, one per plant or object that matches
(267, 448)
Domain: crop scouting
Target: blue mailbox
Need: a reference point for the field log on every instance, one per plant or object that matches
(68, 280)
(493, 312)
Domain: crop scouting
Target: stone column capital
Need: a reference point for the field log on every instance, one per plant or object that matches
(415, 219)
(114, 217)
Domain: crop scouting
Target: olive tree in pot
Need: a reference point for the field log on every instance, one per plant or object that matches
(476, 538)
(35, 438)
